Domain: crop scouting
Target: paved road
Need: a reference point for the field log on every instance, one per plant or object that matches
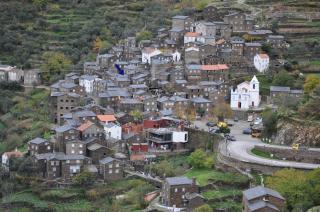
(241, 149)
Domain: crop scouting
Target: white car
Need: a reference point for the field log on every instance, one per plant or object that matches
(258, 121)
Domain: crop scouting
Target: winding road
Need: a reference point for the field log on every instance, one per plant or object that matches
(241, 149)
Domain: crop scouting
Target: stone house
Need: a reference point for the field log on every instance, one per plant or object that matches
(64, 134)
(280, 93)
(106, 60)
(206, 28)
(180, 85)
(207, 50)
(32, 77)
(174, 191)
(63, 103)
(75, 147)
(201, 105)
(251, 49)
(7, 156)
(237, 46)
(194, 91)
(164, 103)
(89, 129)
(128, 105)
(262, 199)
(276, 41)
(112, 98)
(39, 146)
(91, 68)
(110, 169)
(97, 152)
(240, 22)
(181, 22)
(149, 103)
(192, 55)
(60, 165)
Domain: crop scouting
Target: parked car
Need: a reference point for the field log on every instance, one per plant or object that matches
(250, 118)
(230, 124)
(258, 121)
(210, 124)
(235, 119)
(232, 138)
(247, 131)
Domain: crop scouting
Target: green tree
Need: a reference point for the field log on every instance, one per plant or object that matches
(97, 45)
(283, 78)
(84, 178)
(144, 35)
(311, 82)
(269, 119)
(137, 115)
(222, 111)
(293, 186)
(198, 159)
(203, 208)
(40, 3)
(53, 64)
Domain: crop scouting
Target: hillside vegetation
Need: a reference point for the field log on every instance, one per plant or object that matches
(31, 29)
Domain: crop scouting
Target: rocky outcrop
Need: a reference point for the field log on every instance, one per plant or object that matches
(292, 130)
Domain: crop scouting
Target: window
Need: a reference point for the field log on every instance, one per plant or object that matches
(78, 161)
(80, 152)
(117, 165)
(183, 189)
(72, 151)
(48, 147)
(54, 169)
(110, 166)
(72, 145)
(80, 145)
(117, 170)
(176, 190)
(110, 171)
(67, 161)
(52, 163)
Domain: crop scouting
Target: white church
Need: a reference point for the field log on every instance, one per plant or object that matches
(246, 95)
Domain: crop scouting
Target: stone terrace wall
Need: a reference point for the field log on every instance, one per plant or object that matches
(306, 156)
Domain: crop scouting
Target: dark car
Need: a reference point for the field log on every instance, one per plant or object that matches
(210, 124)
(247, 131)
(231, 138)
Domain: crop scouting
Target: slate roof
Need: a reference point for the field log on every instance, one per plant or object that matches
(279, 89)
(259, 191)
(106, 160)
(59, 156)
(94, 147)
(84, 113)
(183, 17)
(37, 141)
(200, 100)
(261, 204)
(64, 128)
(178, 181)
(253, 44)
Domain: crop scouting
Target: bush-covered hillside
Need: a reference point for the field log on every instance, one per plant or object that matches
(32, 27)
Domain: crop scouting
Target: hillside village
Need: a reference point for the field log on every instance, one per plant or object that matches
(144, 101)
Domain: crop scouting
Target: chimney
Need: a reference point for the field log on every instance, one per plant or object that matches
(194, 181)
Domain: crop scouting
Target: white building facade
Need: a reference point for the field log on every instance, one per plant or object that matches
(246, 95)
(87, 81)
(149, 52)
(112, 130)
(261, 62)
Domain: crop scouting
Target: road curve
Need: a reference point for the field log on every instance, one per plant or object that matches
(241, 150)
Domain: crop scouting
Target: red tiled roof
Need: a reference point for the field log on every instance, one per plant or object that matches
(136, 157)
(106, 118)
(148, 50)
(221, 41)
(192, 34)
(264, 56)
(85, 126)
(16, 154)
(214, 67)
